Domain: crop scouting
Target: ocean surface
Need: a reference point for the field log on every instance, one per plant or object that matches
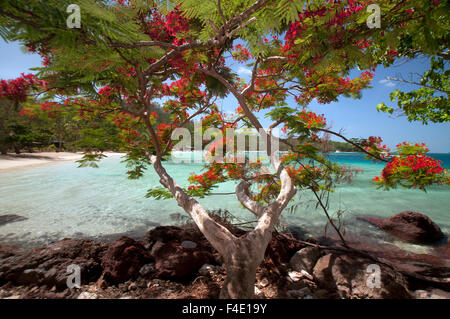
(60, 200)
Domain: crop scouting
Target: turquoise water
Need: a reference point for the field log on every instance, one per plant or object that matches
(60, 200)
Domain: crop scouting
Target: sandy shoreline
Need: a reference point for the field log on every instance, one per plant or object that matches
(17, 161)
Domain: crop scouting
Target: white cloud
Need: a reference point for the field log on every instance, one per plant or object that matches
(387, 83)
(244, 71)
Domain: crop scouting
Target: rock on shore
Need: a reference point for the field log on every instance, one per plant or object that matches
(409, 226)
(350, 277)
(178, 262)
(10, 218)
(48, 265)
(123, 260)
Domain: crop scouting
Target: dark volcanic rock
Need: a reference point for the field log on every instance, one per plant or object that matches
(158, 237)
(5, 219)
(348, 275)
(409, 226)
(48, 265)
(164, 234)
(431, 269)
(188, 232)
(172, 260)
(173, 257)
(8, 250)
(123, 260)
(422, 270)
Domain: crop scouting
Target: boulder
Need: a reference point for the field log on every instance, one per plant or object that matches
(420, 269)
(48, 265)
(123, 260)
(352, 276)
(189, 236)
(173, 261)
(165, 234)
(188, 233)
(179, 251)
(305, 259)
(409, 226)
(31, 276)
(5, 219)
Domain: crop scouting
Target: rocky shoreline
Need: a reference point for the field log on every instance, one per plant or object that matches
(178, 262)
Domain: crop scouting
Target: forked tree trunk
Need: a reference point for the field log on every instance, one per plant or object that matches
(241, 255)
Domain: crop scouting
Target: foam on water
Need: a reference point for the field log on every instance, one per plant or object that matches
(61, 200)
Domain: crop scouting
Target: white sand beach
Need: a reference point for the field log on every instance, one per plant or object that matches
(14, 161)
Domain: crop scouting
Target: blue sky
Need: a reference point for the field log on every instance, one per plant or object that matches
(358, 118)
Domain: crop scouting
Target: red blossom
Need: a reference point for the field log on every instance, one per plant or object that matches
(16, 90)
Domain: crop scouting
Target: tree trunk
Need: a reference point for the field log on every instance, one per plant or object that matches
(240, 280)
(240, 265)
(242, 255)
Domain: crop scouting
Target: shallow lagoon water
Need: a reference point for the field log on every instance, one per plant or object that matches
(60, 200)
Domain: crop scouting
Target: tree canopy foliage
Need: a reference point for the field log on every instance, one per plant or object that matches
(430, 102)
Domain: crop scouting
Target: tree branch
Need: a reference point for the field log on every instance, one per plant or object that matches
(354, 144)
(243, 195)
(219, 237)
(416, 83)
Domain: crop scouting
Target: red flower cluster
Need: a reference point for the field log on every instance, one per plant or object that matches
(16, 90)
(327, 87)
(420, 164)
(164, 131)
(106, 91)
(50, 108)
(312, 120)
(406, 148)
(27, 112)
(306, 171)
(339, 12)
(241, 53)
(309, 119)
(412, 168)
(206, 180)
(123, 120)
(183, 90)
(373, 145)
(169, 28)
(291, 157)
